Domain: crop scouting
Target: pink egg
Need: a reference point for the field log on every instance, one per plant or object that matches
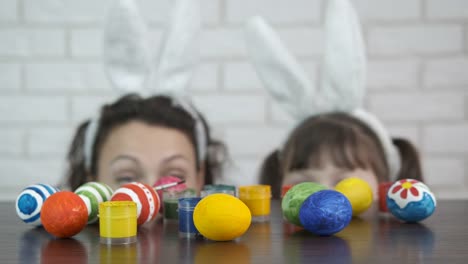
(170, 179)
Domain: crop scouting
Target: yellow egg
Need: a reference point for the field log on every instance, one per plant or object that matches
(221, 217)
(358, 192)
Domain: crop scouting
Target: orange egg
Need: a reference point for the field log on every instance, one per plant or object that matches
(64, 214)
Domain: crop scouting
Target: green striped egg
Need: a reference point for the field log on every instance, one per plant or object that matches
(92, 194)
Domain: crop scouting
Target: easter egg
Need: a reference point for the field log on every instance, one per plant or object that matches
(293, 199)
(29, 202)
(92, 194)
(325, 212)
(358, 192)
(221, 217)
(64, 214)
(145, 197)
(410, 200)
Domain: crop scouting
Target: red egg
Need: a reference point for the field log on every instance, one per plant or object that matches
(144, 196)
(64, 214)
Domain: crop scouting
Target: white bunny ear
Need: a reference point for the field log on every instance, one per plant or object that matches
(126, 51)
(344, 74)
(279, 71)
(179, 51)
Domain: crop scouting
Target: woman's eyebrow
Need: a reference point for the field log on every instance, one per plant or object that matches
(125, 157)
(174, 157)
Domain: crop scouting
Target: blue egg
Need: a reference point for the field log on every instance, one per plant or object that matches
(325, 212)
(29, 202)
(410, 200)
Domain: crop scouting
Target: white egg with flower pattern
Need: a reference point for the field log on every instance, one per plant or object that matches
(410, 200)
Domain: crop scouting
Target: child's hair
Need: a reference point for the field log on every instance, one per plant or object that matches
(157, 110)
(341, 139)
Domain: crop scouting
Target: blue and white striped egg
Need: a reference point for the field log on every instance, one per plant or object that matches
(410, 200)
(92, 194)
(29, 202)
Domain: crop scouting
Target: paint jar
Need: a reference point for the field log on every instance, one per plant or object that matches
(171, 202)
(382, 194)
(257, 198)
(118, 222)
(186, 225)
(285, 189)
(219, 188)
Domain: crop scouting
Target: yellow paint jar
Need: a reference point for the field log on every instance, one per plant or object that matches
(257, 198)
(118, 222)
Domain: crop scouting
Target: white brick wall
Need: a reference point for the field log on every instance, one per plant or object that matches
(57, 12)
(447, 9)
(32, 109)
(232, 109)
(446, 138)
(206, 77)
(276, 11)
(51, 79)
(9, 11)
(32, 42)
(446, 72)
(415, 39)
(419, 106)
(11, 142)
(384, 10)
(54, 142)
(10, 77)
(393, 74)
(67, 77)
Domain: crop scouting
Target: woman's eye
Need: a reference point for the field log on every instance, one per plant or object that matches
(124, 180)
(177, 174)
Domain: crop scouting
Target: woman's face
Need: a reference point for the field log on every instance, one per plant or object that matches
(329, 175)
(146, 153)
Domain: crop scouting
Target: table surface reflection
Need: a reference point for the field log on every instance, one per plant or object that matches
(371, 238)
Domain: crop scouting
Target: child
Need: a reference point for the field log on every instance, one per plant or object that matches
(336, 138)
(140, 138)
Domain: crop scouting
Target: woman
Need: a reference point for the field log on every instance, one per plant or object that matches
(145, 139)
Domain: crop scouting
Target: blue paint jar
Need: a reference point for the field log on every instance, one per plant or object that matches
(186, 226)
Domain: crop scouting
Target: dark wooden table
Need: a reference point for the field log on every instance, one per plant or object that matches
(373, 238)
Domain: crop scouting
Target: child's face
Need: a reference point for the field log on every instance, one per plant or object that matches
(330, 175)
(145, 153)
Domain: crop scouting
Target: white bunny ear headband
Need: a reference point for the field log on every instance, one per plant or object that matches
(343, 79)
(129, 61)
